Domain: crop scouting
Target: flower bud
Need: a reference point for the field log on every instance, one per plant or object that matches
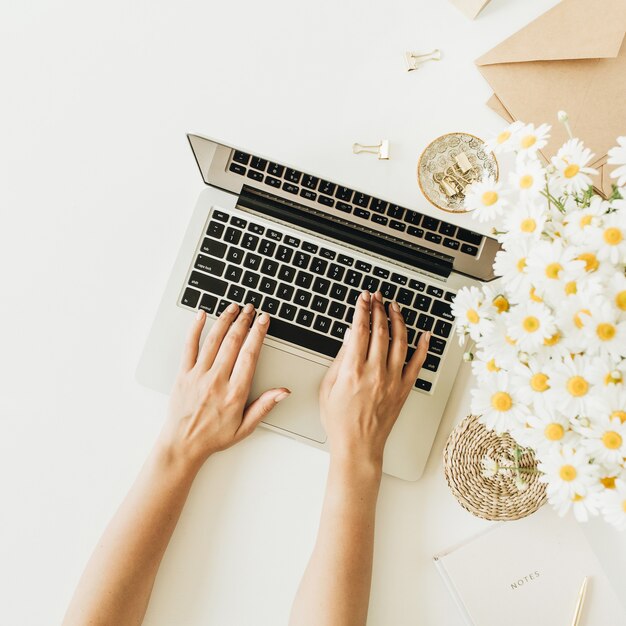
(468, 356)
(563, 116)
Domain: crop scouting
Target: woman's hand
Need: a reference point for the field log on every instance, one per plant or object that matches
(367, 385)
(207, 411)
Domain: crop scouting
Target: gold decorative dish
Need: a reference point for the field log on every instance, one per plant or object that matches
(449, 164)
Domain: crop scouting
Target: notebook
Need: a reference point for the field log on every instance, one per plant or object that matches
(529, 572)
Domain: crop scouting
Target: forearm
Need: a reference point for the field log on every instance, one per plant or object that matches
(116, 585)
(336, 584)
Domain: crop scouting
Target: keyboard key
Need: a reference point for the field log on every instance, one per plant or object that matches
(379, 206)
(304, 279)
(241, 157)
(287, 311)
(395, 211)
(412, 217)
(362, 266)
(214, 248)
(467, 249)
(453, 244)
(339, 330)
(353, 296)
(221, 307)
(319, 304)
(380, 219)
(424, 385)
(370, 284)
(302, 298)
(433, 237)
(257, 229)
(442, 328)
(208, 303)
(415, 232)
(337, 310)
(409, 316)
(342, 206)
(469, 237)
(238, 222)
(293, 176)
(431, 363)
(327, 188)
(422, 302)
(235, 255)
(237, 169)
(254, 175)
(345, 260)
(425, 322)
(208, 283)
(436, 345)
(284, 254)
(399, 279)
(449, 296)
(274, 234)
(350, 315)
(328, 254)
(430, 223)
(253, 298)
(305, 318)
(321, 285)
(353, 278)
(301, 260)
(267, 247)
(210, 265)
(360, 199)
(322, 323)
(235, 293)
(258, 163)
(418, 285)
(318, 266)
(289, 188)
(388, 290)
(220, 215)
(275, 170)
(362, 213)
(337, 291)
(250, 279)
(343, 193)
(190, 297)
(233, 273)
(325, 200)
(404, 296)
(249, 242)
(410, 336)
(308, 194)
(310, 182)
(307, 246)
(292, 241)
(397, 225)
(335, 271)
(381, 272)
(442, 309)
(285, 291)
(215, 229)
(252, 261)
(447, 229)
(272, 182)
(270, 305)
(269, 267)
(304, 338)
(268, 285)
(232, 235)
(435, 291)
(287, 273)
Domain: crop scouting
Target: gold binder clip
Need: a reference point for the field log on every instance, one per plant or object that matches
(381, 149)
(415, 60)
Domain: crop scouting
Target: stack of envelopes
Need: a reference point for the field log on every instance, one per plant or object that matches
(572, 58)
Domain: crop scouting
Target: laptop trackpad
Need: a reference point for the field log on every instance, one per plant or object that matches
(298, 414)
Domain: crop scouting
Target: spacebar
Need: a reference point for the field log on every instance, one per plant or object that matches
(303, 337)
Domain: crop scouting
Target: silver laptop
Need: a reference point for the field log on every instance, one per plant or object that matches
(302, 248)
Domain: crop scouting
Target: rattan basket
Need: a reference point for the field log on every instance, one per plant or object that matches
(496, 498)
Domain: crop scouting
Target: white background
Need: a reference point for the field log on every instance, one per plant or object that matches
(96, 187)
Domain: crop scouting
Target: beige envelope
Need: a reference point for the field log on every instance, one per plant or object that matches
(572, 58)
(471, 8)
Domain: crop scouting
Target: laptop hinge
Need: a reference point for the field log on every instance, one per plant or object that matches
(344, 231)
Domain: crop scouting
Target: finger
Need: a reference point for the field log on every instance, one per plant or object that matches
(192, 343)
(398, 347)
(379, 340)
(216, 335)
(412, 368)
(260, 408)
(331, 375)
(231, 345)
(358, 341)
(243, 371)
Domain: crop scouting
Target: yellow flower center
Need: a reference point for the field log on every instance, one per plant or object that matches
(503, 136)
(591, 262)
(612, 440)
(605, 332)
(613, 236)
(510, 340)
(489, 198)
(577, 319)
(585, 220)
(539, 382)
(552, 341)
(533, 295)
(526, 181)
(571, 287)
(620, 300)
(571, 170)
(577, 497)
(491, 366)
(567, 473)
(530, 324)
(521, 264)
(472, 316)
(608, 482)
(554, 432)
(528, 141)
(621, 415)
(577, 386)
(528, 225)
(501, 401)
(553, 269)
(501, 303)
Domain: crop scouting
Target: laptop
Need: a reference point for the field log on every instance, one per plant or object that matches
(302, 248)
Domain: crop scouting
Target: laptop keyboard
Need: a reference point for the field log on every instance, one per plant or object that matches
(309, 290)
(379, 212)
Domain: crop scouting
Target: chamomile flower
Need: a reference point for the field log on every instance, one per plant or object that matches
(571, 163)
(485, 366)
(568, 472)
(607, 372)
(547, 431)
(611, 402)
(530, 324)
(525, 221)
(570, 386)
(471, 311)
(529, 178)
(614, 504)
(570, 318)
(609, 239)
(510, 264)
(487, 198)
(533, 380)
(617, 156)
(499, 406)
(499, 344)
(505, 140)
(606, 440)
(577, 222)
(583, 506)
(529, 140)
(603, 333)
(616, 292)
(551, 262)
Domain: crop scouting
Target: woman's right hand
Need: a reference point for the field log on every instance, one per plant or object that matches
(365, 388)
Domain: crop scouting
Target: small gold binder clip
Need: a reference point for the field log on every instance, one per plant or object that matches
(415, 60)
(463, 162)
(381, 149)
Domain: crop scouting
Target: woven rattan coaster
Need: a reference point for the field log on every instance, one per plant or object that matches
(496, 498)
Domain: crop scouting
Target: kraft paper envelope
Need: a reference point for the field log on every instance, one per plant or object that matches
(471, 8)
(572, 58)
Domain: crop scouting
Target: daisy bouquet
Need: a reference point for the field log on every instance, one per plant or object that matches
(550, 338)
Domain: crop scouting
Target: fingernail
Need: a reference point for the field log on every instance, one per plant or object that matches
(232, 308)
(427, 337)
(366, 296)
(263, 319)
(395, 306)
(248, 309)
(200, 314)
(346, 335)
(282, 396)
(378, 296)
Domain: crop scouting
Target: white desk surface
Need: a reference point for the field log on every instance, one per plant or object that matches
(97, 184)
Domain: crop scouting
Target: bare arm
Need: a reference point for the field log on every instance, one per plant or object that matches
(360, 400)
(207, 414)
